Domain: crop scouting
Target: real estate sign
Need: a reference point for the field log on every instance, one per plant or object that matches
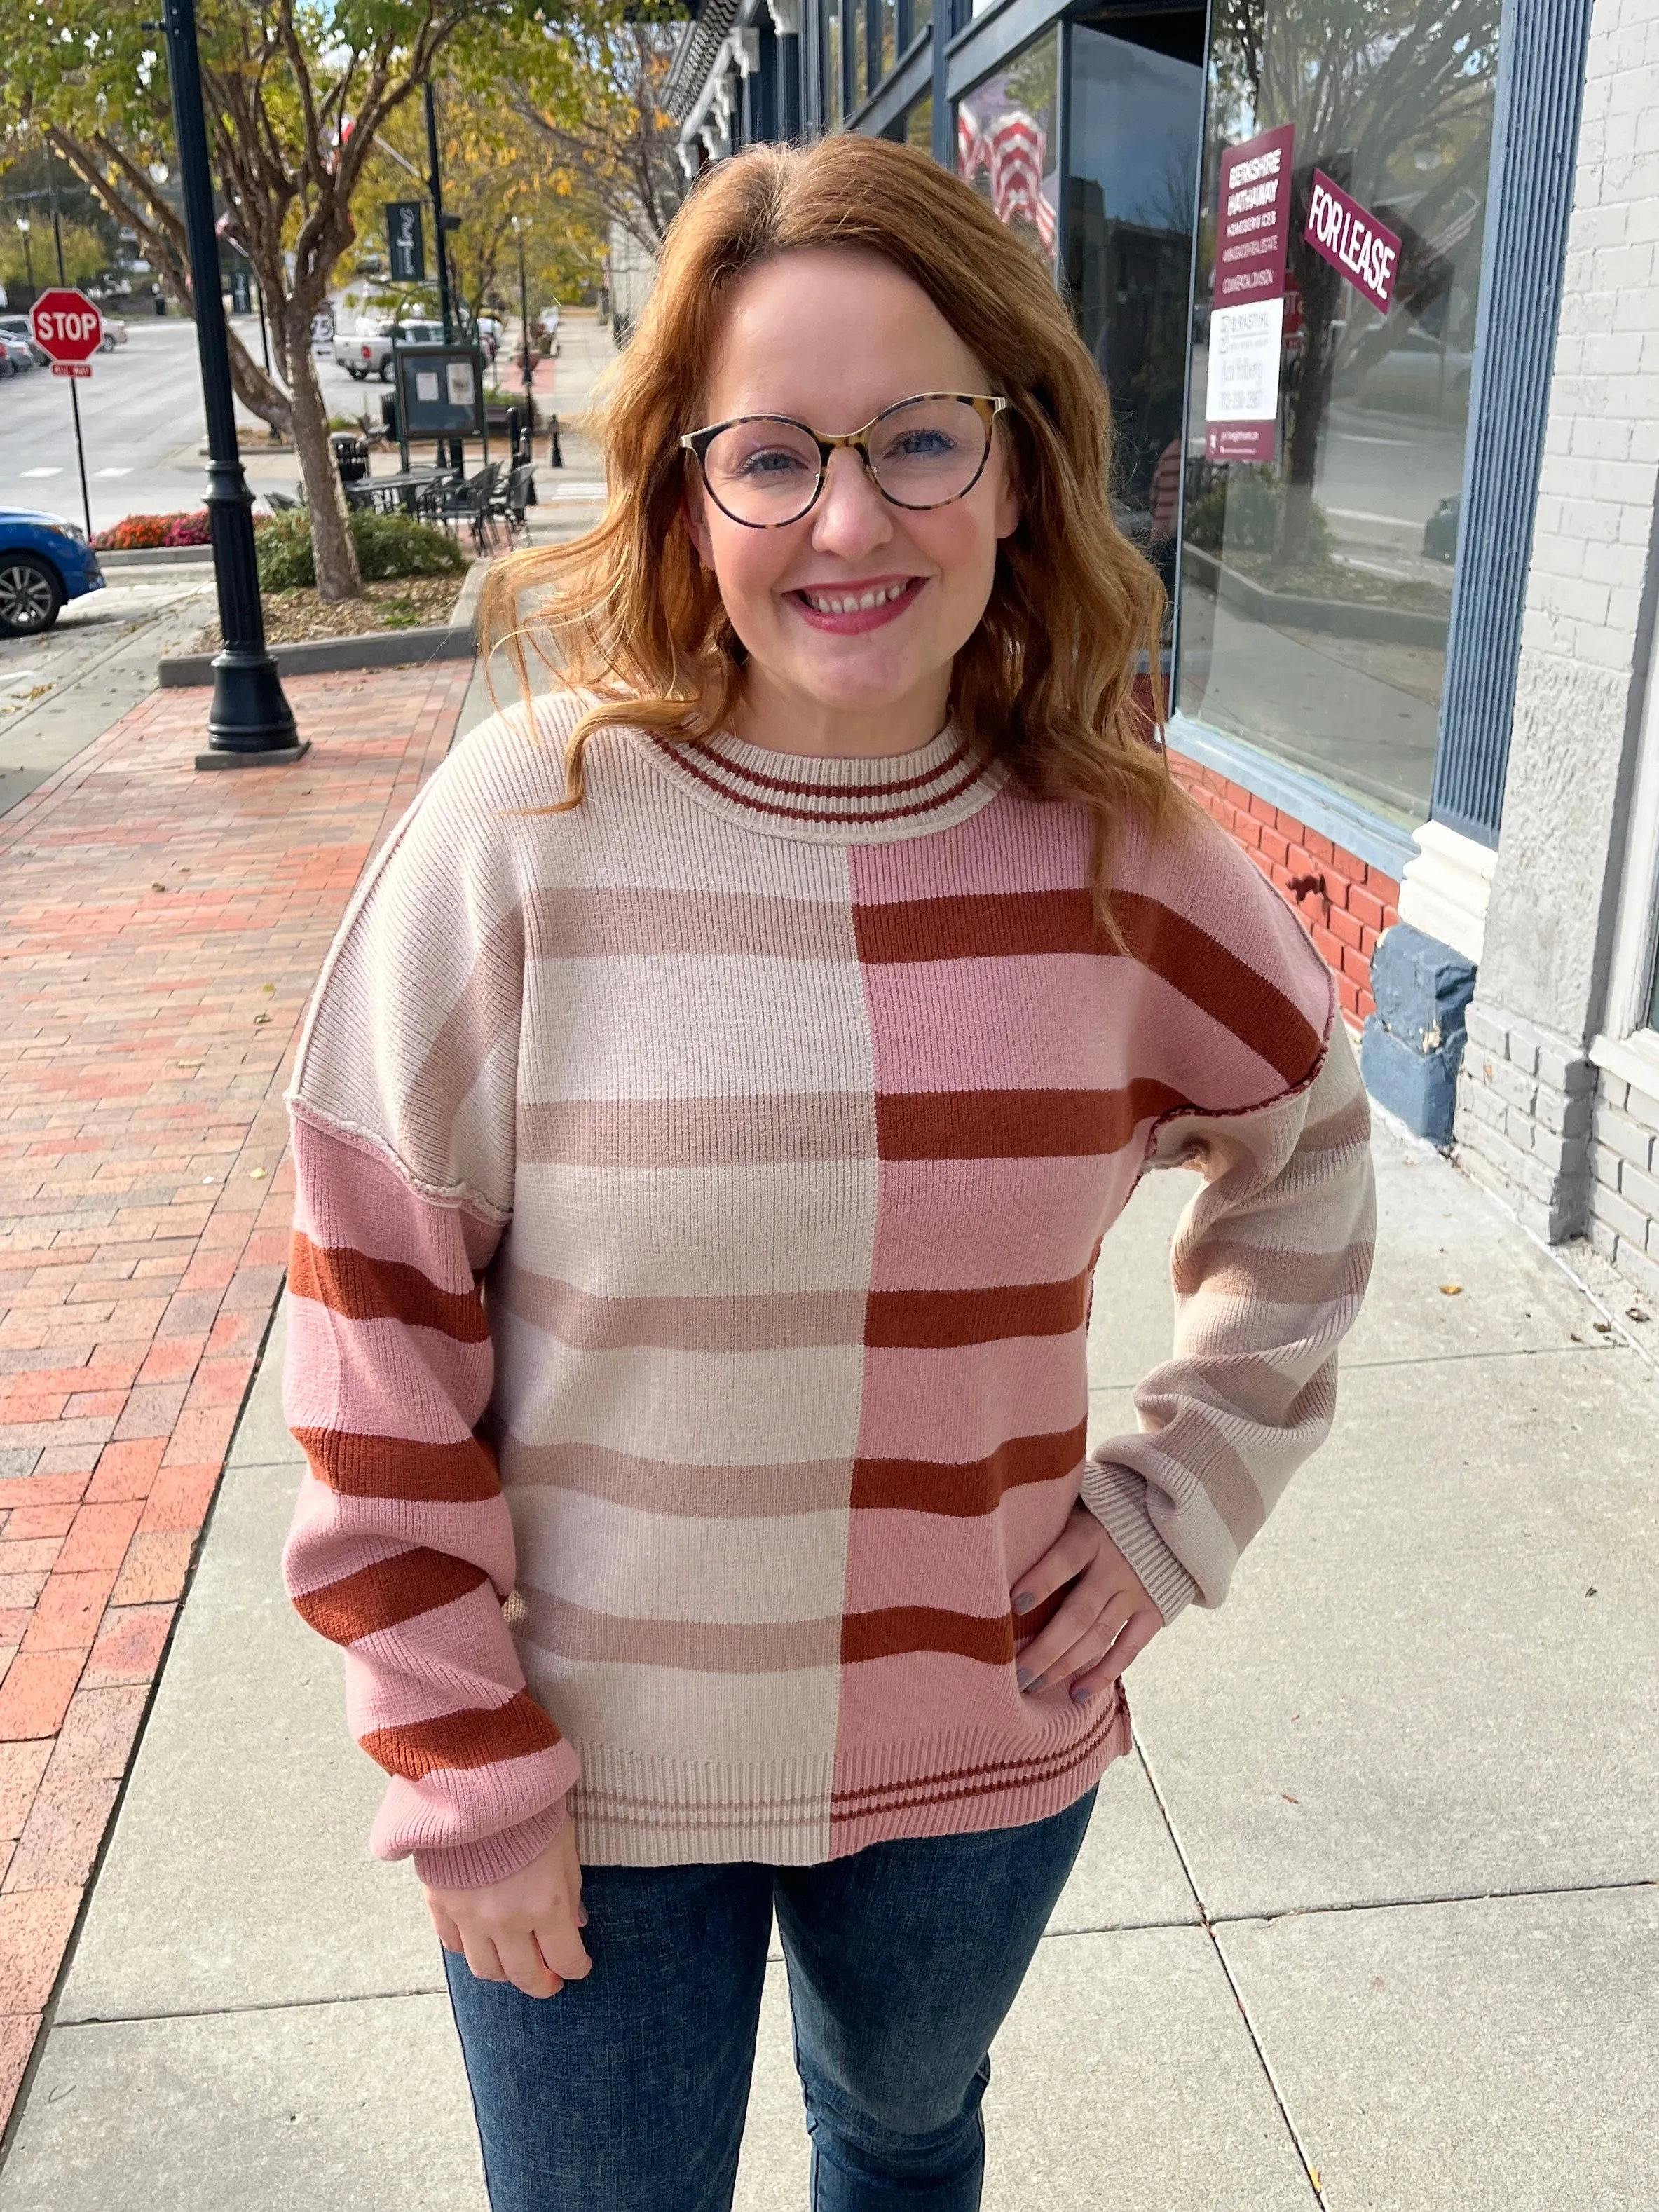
(1247, 299)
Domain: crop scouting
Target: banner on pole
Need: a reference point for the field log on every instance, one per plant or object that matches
(405, 242)
(1246, 300)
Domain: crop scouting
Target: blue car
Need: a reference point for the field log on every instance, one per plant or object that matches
(43, 562)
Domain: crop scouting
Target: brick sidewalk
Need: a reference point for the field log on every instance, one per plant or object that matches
(160, 931)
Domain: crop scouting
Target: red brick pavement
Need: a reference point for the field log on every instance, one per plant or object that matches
(160, 931)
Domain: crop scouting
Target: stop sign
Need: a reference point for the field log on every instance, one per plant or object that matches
(66, 324)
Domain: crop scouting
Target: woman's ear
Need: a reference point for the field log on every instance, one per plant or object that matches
(696, 521)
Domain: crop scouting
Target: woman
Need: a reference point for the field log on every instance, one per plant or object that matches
(772, 1027)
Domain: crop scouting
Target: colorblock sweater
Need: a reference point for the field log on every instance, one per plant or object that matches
(698, 1197)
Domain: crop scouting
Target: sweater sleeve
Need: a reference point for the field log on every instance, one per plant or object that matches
(402, 1548)
(1269, 1264)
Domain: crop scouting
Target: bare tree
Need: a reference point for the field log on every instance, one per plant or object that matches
(596, 100)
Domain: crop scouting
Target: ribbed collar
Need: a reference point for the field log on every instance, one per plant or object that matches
(832, 802)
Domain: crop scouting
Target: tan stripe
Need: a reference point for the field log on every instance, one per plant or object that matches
(775, 1321)
(573, 1631)
(668, 1133)
(1350, 1125)
(1229, 1268)
(654, 1485)
(596, 922)
(1195, 1442)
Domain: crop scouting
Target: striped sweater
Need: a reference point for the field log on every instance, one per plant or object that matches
(698, 1198)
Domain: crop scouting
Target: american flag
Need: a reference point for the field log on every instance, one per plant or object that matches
(1012, 153)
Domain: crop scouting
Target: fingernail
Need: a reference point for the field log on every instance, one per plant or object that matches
(1025, 1677)
(1080, 1697)
(1024, 1602)
(581, 1915)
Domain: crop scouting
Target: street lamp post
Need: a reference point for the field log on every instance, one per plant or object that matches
(524, 327)
(250, 723)
(28, 252)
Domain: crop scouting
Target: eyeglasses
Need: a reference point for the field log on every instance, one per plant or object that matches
(765, 470)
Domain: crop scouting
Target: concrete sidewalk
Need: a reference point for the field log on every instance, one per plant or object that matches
(1371, 1919)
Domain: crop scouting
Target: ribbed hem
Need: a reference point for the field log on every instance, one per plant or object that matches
(1116, 1496)
(830, 801)
(491, 1858)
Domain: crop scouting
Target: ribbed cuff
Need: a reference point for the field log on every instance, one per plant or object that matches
(1116, 1496)
(491, 1858)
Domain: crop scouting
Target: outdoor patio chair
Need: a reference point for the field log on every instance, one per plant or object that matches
(280, 503)
(512, 498)
(470, 503)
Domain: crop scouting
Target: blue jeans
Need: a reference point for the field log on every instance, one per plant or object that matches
(627, 2092)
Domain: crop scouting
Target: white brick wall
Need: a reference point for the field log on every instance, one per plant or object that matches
(1573, 1152)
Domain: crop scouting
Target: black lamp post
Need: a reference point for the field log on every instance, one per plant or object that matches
(524, 326)
(250, 723)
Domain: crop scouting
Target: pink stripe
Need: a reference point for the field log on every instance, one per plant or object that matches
(961, 1404)
(453, 1805)
(1060, 1022)
(464, 1662)
(381, 1378)
(331, 1536)
(346, 1195)
(1010, 845)
(973, 1224)
(898, 1558)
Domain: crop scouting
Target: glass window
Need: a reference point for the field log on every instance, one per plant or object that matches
(889, 35)
(921, 15)
(858, 30)
(832, 62)
(1322, 494)
(918, 124)
(1008, 147)
(1137, 121)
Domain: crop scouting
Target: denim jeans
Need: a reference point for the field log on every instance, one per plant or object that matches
(626, 2092)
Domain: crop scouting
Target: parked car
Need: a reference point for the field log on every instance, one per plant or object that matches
(368, 353)
(115, 334)
(43, 562)
(18, 327)
(19, 352)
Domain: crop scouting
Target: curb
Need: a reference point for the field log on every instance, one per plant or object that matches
(1335, 617)
(323, 656)
(149, 557)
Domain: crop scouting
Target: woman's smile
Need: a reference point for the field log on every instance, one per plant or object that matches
(852, 610)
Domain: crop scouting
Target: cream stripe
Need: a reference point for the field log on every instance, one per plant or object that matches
(590, 923)
(604, 1559)
(755, 1406)
(671, 1713)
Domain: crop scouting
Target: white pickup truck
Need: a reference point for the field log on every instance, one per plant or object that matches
(368, 353)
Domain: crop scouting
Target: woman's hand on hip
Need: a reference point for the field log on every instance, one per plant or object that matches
(523, 1929)
(1105, 1619)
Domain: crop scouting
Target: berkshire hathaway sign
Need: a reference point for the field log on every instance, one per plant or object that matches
(1247, 300)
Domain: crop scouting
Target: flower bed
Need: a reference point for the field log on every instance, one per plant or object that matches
(143, 533)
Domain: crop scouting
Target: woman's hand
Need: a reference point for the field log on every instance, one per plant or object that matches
(522, 1930)
(1105, 1619)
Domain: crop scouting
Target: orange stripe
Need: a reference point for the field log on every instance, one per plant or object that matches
(932, 1321)
(391, 1591)
(347, 1282)
(967, 1487)
(1019, 1125)
(896, 1630)
(393, 1467)
(476, 1737)
(1225, 987)
(986, 925)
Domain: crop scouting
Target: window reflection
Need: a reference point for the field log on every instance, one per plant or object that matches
(833, 33)
(1316, 586)
(1136, 122)
(1007, 146)
(918, 124)
(889, 35)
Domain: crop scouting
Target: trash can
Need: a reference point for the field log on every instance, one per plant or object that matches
(350, 455)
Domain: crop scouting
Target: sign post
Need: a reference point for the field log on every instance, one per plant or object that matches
(70, 330)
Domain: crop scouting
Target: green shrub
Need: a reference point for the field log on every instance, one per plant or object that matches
(388, 546)
(1243, 511)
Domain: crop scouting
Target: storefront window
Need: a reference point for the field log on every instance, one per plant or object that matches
(1008, 146)
(918, 124)
(1137, 121)
(889, 35)
(832, 28)
(921, 15)
(1331, 351)
(857, 31)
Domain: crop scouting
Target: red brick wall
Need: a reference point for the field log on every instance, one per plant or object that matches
(1345, 902)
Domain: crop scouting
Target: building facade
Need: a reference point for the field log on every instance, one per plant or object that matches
(1371, 286)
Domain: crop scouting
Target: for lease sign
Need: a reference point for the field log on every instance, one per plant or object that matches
(1352, 241)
